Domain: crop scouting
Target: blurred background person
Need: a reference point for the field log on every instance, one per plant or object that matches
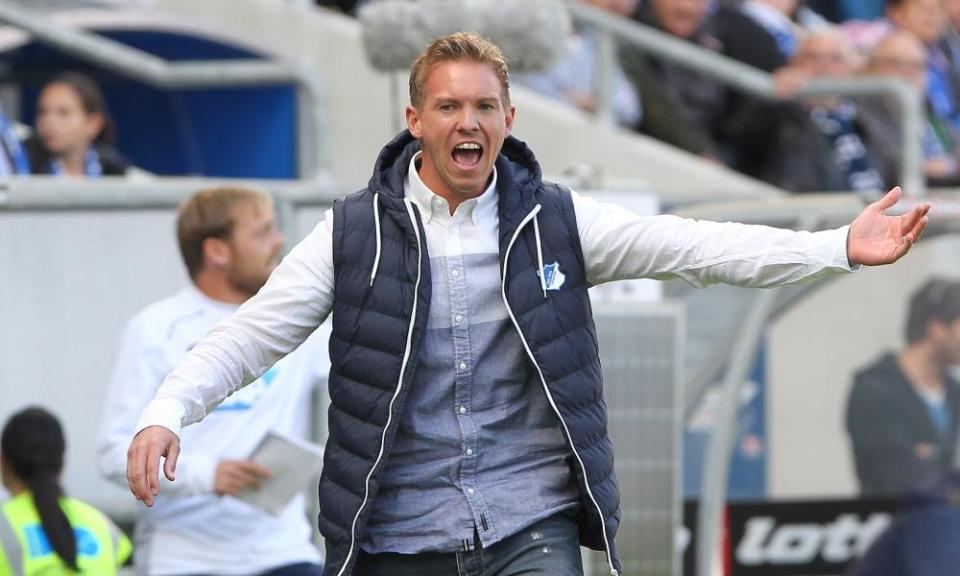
(229, 243)
(13, 159)
(903, 410)
(74, 133)
(760, 33)
(42, 531)
(692, 96)
(573, 78)
(902, 55)
(815, 145)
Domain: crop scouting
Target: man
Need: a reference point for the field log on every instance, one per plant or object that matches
(904, 410)
(467, 424)
(901, 54)
(697, 100)
(229, 243)
(815, 145)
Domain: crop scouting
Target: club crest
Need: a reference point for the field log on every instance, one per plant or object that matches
(552, 276)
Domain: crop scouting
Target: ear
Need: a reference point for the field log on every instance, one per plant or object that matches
(511, 116)
(413, 121)
(216, 254)
(95, 123)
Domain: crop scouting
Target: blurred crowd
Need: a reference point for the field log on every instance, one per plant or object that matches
(800, 144)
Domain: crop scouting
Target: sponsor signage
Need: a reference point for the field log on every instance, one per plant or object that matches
(801, 538)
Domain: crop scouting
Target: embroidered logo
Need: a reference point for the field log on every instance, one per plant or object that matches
(552, 276)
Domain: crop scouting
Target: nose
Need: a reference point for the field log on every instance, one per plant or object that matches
(468, 120)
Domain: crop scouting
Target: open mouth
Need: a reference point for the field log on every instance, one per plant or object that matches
(468, 154)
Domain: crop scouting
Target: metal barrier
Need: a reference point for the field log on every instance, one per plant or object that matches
(144, 67)
(611, 28)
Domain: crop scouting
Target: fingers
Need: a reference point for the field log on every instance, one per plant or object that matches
(258, 470)
(170, 463)
(909, 220)
(153, 473)
(136, 471)
(889, 199)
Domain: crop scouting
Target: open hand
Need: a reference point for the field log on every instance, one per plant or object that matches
(876, 238)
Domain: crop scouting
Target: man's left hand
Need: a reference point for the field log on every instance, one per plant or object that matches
(876, 238)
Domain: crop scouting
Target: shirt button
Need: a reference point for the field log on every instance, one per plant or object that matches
(463, 409)
(469, 490)
(463, 365)
(459, 318)
(455, 273)
(469, 451)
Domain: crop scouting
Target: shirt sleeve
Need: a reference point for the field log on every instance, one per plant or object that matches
(295, 300)
(618, 244)
(141, 366)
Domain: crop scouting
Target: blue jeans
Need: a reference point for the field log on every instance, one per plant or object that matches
(550, 547)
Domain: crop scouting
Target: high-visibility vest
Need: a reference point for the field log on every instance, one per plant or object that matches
(25, 549)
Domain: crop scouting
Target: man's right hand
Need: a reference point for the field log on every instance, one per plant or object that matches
(235, 476)
(143, 461)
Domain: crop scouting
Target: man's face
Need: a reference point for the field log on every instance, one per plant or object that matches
(680, 18)
(824, 55)
(901, 55)
(924, 18)
(461, 124)
(254, 245)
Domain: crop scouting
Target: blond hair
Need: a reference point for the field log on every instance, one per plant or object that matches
(210, 213)
(459, 46)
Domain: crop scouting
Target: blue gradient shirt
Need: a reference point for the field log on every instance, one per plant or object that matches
(478, 445)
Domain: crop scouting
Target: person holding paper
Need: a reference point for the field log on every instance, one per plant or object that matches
(229, 243)
(467, 422)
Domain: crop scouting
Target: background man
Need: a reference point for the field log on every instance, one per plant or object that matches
(467, 423)
(229, 243)
(904, 409)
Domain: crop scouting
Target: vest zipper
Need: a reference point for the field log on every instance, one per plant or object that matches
(506, 258)
(403, 369)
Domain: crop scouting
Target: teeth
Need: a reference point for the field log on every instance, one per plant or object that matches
(468, 146)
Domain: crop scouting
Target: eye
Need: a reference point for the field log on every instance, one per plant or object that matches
(486, 106)
(446, 107)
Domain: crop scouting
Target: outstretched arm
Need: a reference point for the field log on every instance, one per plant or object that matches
(876, 238)
(296, 299)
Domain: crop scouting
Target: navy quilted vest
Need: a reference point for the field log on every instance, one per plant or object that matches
(379, 319)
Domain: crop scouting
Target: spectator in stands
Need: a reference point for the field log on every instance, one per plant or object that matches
(902, 55)
(42, 531)
(74, 133)
(13, 155)
(924, 540)
(816, 144)
(696, 99)
(760, 33)
(903, 411)
(573, 78)
(229, 245)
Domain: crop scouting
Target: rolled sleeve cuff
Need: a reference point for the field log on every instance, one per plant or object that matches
(164, 412)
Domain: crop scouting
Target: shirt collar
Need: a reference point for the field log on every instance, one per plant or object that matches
(431, 205)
